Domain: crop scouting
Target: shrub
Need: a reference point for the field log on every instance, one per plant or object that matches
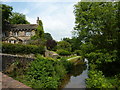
(97, 80)
(63, 52)
(68, 65)
(78, 52)
(44, 73)
(64, 45)
(51, 44)
(21, 49)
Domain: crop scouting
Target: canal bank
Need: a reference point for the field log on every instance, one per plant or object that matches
(76, 77)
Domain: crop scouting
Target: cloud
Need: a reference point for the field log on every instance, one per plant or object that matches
(39, 0)
(58, 18)
(61, 22)
(25, 11)
(31, 20)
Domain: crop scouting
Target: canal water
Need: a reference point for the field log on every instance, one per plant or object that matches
(76, 78)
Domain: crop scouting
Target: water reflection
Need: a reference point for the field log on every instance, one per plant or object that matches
(76, 78)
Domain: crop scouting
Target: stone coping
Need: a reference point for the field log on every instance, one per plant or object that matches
(10, 83)
(17, 55)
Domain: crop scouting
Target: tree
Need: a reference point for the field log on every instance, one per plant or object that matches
(38, 38)
(48, 36)
(64, 45)
(90, 25)
(97, 27)
(18, 18)
(40, 32)
(51, 44)
(6, 13)
(75, 44)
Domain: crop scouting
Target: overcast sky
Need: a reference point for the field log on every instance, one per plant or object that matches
(57, 16)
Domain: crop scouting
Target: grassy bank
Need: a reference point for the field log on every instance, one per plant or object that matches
(40, 73)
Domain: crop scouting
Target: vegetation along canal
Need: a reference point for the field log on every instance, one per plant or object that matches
(76, 77)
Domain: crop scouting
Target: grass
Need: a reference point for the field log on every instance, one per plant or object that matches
(69, 57)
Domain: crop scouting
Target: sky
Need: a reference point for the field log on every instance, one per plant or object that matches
(57, 16)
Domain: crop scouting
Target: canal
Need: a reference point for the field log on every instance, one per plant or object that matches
(76, 78)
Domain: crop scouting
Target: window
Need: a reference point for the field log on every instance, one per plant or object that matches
(12, 41)
(28, 34)
(3, 34)
(15, 34)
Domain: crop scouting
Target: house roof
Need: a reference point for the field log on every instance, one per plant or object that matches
(11, 37)
(23, 26)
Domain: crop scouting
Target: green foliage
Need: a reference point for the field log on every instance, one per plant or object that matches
(63, 52)
(40, 73)
(6, 13)
(97, 80)
(21, 49)
(78, 52)
(40, 32)
(74, 42)
(17, 68)
(87, 48)
(47, 36)
(116, 81)
(18, 18)
(51, 45)
(38, 38)
(100, 57)
(68, 65)
(38, 42)
(45, 73)
(97, 27)
(64, 45)
(91, 27)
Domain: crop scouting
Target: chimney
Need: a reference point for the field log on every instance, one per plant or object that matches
(38, 20)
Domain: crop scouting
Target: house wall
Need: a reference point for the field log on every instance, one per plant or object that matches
(21, 35)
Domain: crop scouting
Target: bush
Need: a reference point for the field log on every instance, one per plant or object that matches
(64, 45)
(78, 52)
(21, 49)
(97, 80)
(40, 73)
(68, 65)
(44, 73)
(51, 44)
(63, 52)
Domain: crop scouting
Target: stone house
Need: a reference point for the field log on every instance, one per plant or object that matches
(19, 33)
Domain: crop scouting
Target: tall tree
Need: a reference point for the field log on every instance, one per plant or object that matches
(98, 29)
(38, 38)
(6, 13)
(48, 36)
(93, 23)
(18, 18)
(40, 30)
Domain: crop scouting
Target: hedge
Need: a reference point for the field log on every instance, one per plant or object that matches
(22, 49)
(63, 52)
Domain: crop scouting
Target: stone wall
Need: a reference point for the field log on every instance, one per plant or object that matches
(20, 35)
(51, 54)
(8, 59)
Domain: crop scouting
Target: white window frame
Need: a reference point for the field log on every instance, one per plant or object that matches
(12, 41)
(15, 33)
(27, 33)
